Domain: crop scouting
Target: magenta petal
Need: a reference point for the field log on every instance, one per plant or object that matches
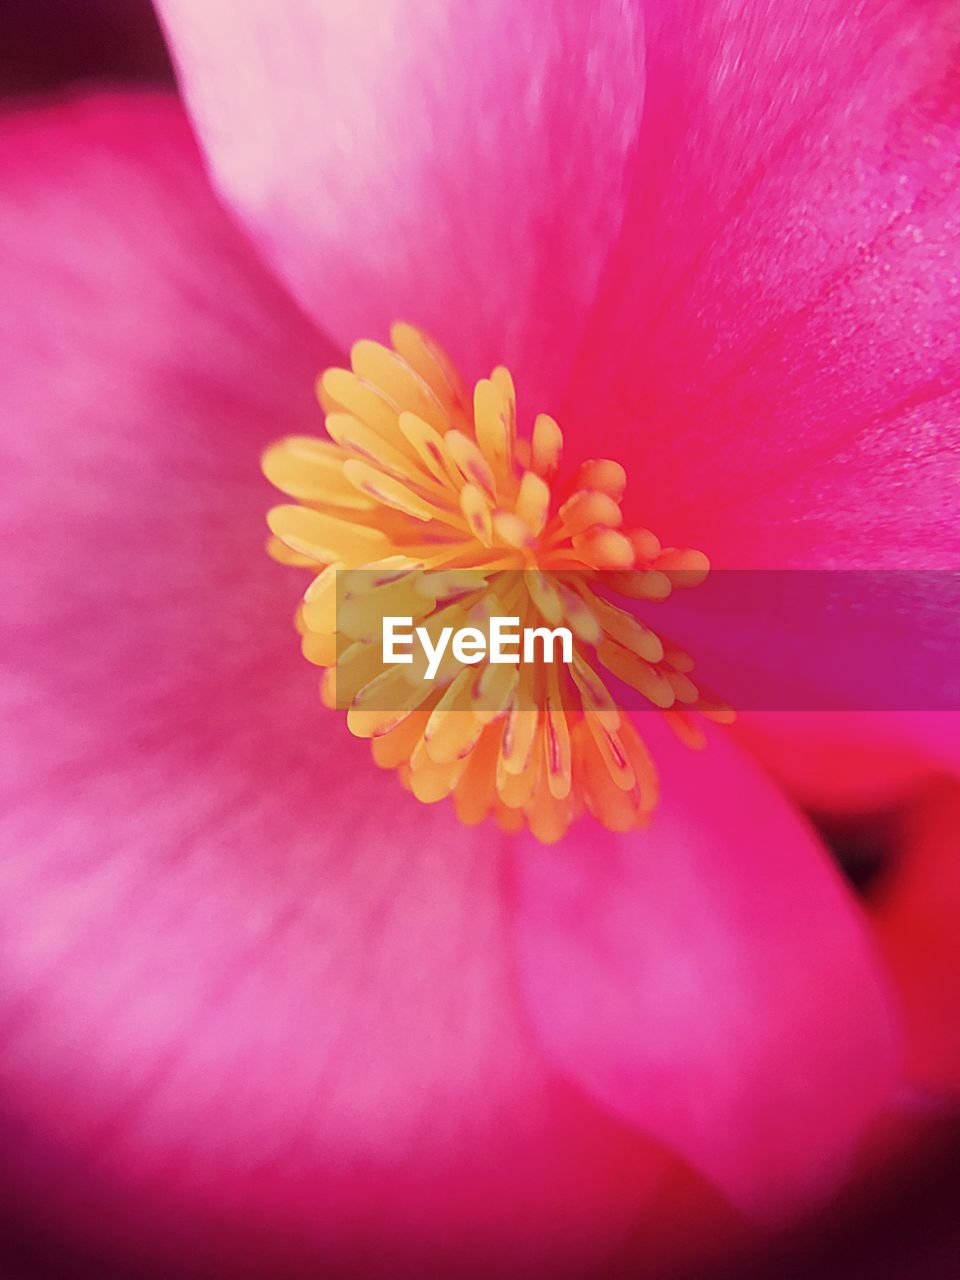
(710, 979)
(774, 343)
(256, 1005)
(461, 166)
(915, 913)
(850, 761)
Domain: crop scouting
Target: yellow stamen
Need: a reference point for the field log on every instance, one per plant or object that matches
(453, 516)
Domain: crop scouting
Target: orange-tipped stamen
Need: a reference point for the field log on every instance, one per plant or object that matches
(452, 515)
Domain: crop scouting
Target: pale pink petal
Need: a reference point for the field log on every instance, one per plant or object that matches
(257, 1008)
(774, 344)
(711, 980)
(462, 165)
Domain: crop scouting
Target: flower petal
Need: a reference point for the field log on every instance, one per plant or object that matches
(852, 760)
(774, 343)
(461, 166)
(257, 1010)
(718, 986)
(916, 916)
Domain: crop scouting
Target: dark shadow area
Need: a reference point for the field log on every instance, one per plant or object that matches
(51, 44)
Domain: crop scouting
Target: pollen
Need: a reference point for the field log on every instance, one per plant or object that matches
(446, 509)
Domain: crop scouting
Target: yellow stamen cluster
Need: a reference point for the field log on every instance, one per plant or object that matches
(418, 479)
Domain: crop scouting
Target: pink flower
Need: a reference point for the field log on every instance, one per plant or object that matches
(263, 1011)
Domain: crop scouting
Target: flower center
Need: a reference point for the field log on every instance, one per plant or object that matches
(436, 501)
